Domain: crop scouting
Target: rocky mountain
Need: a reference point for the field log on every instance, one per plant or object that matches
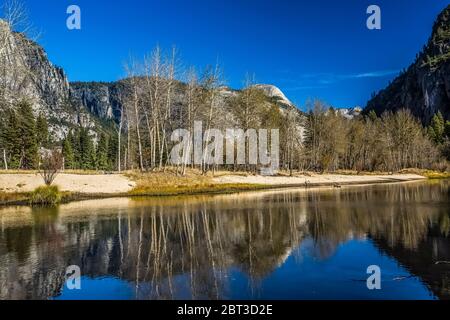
(350, 113)
(27, 73)
(424, 87)
(103, 99)
(100, 98)
(275, 93)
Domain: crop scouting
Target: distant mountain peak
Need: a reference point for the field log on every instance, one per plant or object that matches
(275, 92)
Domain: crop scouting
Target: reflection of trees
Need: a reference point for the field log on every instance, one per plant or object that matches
(195, 241)
(408, 222)
(150, 246)
(400, 213)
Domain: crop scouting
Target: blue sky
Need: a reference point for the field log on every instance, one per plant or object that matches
(309, 49)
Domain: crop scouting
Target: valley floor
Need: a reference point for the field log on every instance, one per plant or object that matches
(319, 179)
(78, 183)
(15, 187)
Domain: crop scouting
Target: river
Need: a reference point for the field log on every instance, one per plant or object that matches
(279, 244)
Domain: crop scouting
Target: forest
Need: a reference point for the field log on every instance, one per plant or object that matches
(154, 103)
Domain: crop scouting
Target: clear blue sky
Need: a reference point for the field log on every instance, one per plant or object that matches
(310, 49)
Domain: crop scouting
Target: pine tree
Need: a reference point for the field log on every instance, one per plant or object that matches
(112, 152)
(42, 131)
(447, 129)
(87, 150)
(102, 153)
(438, 128)
(27, 135)
(69, 157)
(11, 140)
(76, 146)
(372, 115)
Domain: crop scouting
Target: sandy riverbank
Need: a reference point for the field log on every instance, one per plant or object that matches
(318, 180)
(120, 184)
(79, 183)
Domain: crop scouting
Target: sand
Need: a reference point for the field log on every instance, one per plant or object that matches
(117, 183)
(92, 184)
(318, 180)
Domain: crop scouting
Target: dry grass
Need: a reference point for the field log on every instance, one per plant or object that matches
(437, 175)
(14, 171)
(7, 198)
(167, 182)
(82, 172)
(430, 174)
(45, 196)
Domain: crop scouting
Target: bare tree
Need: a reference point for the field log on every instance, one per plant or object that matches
(51, 165)
(211, 83)
(119, 133)
(133, 72)
(15, 14)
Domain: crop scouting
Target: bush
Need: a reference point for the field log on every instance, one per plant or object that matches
(45, 195)
(51, 164)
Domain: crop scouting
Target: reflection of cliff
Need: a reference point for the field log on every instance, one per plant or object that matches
(156, 244)
(150, 245)
(429, 262)
(401, 214)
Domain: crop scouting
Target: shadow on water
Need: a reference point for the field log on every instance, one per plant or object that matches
(280, 244)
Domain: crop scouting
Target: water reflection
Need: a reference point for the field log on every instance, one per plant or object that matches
(235, 246)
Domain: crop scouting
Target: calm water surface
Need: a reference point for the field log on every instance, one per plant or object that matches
(286, 244)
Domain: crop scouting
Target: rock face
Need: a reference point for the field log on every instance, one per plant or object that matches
(350, 113)
(274, 92)
(27, 73)
(103, 99)
(99, 98)
(424, 87)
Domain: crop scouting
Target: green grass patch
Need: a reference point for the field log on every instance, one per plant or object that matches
(45, 196)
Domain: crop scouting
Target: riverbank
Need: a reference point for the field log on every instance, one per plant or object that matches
(15, 188)
(76, 183)
(335, 180)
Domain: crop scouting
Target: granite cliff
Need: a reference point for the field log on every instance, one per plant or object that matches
(424, 87)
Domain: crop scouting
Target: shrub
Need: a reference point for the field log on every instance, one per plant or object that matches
(52, 163)
(45, 195)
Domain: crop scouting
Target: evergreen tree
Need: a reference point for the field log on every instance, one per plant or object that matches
(42, 131)
(11, 139)
(437, 128)
(27, 135)
(447, 130)
(112, 152)
(102, 153)
(2, 139)
(76, 146)
(87, 150)
(372, 115)
(69, 157)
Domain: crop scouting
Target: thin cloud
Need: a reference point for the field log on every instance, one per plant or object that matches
(374, 74)
(322, 80)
